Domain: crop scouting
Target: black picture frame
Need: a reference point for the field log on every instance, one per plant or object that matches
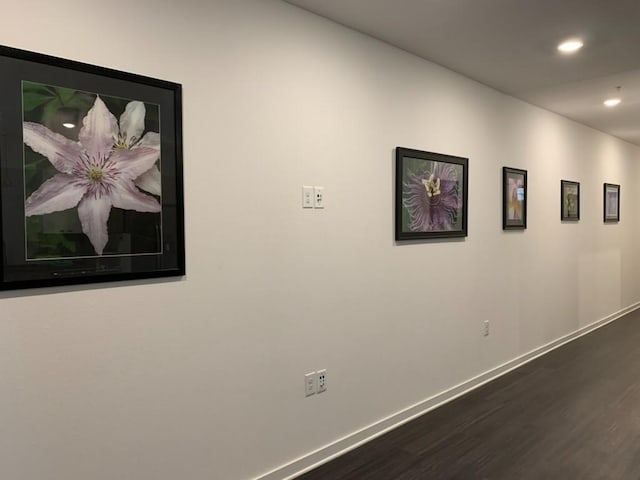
(431, 195)
(91, 185)
(514, 198)
(611, 203)
(569, 200)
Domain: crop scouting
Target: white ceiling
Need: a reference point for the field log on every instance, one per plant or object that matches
(510, 45)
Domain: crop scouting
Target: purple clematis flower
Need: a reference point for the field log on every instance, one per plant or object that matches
(96, 173)
(432, 198)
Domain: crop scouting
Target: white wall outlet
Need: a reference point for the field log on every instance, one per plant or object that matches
(307, 197)
(318, 198)
(322, 380)
(485, 328)
(309, 384)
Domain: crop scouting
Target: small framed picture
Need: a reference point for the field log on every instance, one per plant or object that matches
(431, 195)
(569, 200)
(611, 202)
(514, 198)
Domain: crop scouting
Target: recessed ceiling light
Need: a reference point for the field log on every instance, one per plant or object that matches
(570, 46)
(613, 101)
(69, 125)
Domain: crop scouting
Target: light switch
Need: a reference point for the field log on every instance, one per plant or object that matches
(307, 197)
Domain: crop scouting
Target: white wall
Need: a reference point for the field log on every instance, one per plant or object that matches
(203, 378)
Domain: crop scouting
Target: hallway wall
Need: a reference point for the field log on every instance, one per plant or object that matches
(202, 378)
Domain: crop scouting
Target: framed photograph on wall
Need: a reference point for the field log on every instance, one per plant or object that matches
(569, 200)
(90, 171)
(611, 202)
(431, 195)
(514, 199)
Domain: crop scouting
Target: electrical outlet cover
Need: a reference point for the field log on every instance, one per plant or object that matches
(322, 380)
(318, 199)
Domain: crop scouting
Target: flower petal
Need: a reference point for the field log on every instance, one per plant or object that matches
(150, 139)
(59, 150)
(99, 128)
(126, 196)
(150, 181)
(58, 193)
(94, 213)
(132, 120)
(133, 163)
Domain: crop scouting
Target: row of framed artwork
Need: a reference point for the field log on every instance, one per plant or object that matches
(514, 200)
(432, 193)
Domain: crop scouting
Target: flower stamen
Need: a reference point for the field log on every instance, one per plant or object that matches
(95, 174)
(432, 186)
(122, 142)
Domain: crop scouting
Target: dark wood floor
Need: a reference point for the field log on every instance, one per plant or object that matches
(571, 414)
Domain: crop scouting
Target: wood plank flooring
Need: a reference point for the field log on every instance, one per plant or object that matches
(571, 414)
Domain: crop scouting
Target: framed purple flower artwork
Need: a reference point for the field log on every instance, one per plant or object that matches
(90, 171)
(431, 195)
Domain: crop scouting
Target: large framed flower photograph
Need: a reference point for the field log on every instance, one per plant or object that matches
(90, 171)
(431, 195)
(514, 198)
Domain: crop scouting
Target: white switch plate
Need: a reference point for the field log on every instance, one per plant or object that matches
(318, 198)
(309, 384)
(322, 380)
(485, 330)
(307, 197)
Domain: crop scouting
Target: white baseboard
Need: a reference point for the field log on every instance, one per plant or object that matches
(341, 446)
